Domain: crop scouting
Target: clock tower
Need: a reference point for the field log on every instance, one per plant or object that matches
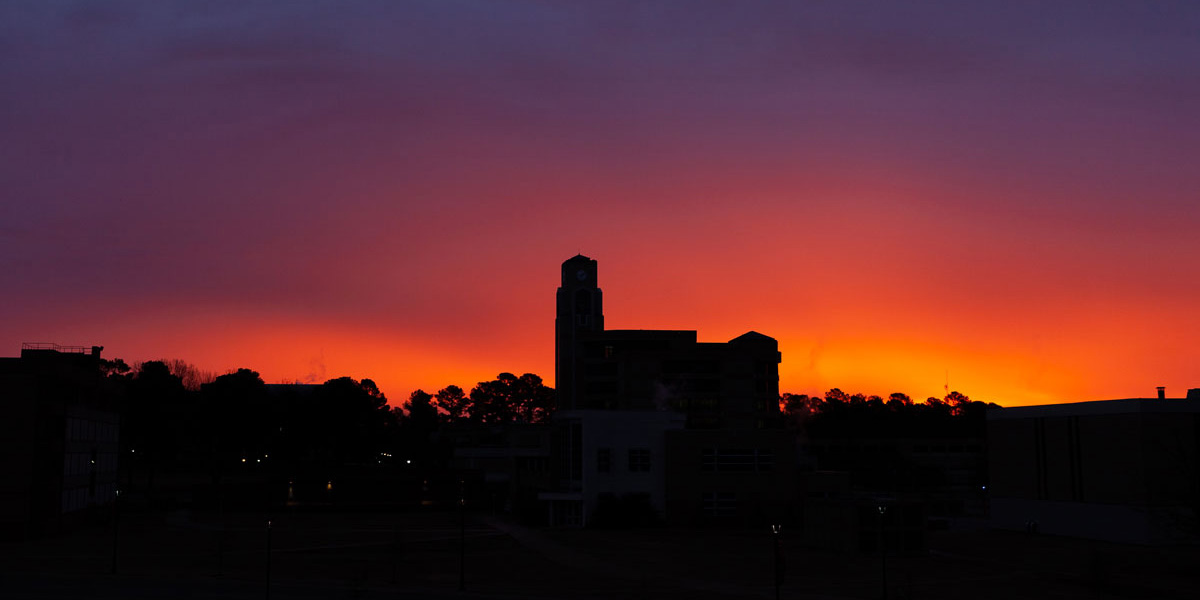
(580, 312)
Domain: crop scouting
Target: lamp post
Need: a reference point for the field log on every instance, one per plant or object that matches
(883, 552)
(116, 529)
(776, 531)
(462, 534)
(268, 593)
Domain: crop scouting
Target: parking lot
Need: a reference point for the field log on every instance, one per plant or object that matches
(417, 555)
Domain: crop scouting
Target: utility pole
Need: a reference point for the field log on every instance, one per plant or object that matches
(462, 535)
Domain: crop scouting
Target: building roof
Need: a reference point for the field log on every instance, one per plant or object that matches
(578, 258)
(753, 337)
(1098, 407)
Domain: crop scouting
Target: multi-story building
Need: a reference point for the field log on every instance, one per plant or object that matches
(1121, 470)
(655, 420)
(59, 434)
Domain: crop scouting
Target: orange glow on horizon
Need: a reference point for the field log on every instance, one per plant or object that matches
(330, 199)
(987, 362)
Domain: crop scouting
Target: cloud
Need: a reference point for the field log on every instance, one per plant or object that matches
(316, 369)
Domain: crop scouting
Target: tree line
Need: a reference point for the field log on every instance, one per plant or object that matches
(838, 414)
(177, 418)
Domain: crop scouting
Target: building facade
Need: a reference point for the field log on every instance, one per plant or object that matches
(59, 434)
(656, 420)
(1118, 470)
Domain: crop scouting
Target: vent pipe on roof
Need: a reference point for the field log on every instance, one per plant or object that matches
(1162, 392)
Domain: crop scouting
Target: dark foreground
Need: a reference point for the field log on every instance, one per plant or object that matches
(417, 555)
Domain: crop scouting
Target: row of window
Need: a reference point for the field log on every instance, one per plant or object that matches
(745, 460)
(86, 430)
(639, 460)
(83, 463)
(596, 388)
(684, 386)
(80, 497)
(718, 504)
(874, 448)
(763, 371)
(701, 403)
(533, 464)
(952, 449)
(699, 366)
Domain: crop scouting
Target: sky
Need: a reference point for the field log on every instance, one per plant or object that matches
(995, 198)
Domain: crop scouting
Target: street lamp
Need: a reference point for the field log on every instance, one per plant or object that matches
(462, 535)
(116, 529)
(268, 588)
(883, 551)
(776, 531)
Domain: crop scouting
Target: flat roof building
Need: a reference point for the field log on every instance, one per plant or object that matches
(1119, 470)
(59, 432)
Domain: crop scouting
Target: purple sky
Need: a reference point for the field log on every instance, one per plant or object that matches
(895, 191)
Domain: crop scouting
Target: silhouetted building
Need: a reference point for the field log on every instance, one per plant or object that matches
(503, 466)
(838, 518)
(654, 420)
(1120, 470)
(59, 429)
(733, 385)
(945, 474)
(930, 482)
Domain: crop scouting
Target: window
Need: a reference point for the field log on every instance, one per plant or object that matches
(568, 513)
(696, 421)
(705, 385)
(92, 475)
(603, 460)
(533, 464)
(602, 369)
(574, 444)
(737, 460)
(718, 504)
(601, 387)
(693, 366)
(639, 460)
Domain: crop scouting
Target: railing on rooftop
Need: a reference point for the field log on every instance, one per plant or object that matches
(55, 347)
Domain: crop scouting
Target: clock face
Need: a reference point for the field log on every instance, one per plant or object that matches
(581, 274)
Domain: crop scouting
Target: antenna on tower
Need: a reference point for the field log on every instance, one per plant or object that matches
(947, 386)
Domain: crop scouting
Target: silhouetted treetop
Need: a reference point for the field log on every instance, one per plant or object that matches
(354, 417)
(419, 412)
(113, 368)
(511, 399)
(191, 376)
(235, 416)
(839, 413)
(452, 403)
